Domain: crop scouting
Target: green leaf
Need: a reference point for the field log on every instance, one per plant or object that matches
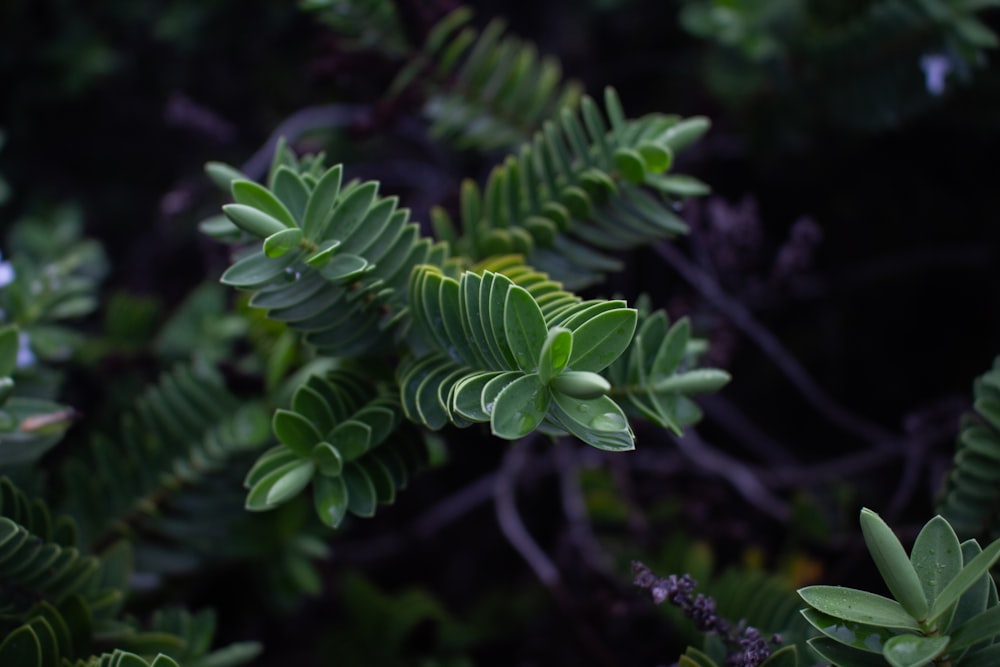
(255, 270)
(783, 657)
(599, 422)
(352, 208)
(361, 497)
(261, 498)
(260, 198)
(936, 558)
(698, 381)
(975, 600)
(583, 385)
(323, 253)
(859, 606)
(295, 432)
(965, 579)
(279, 243)
(352, 439)
(330, 499)
(981, 628)
(524, 326)
(520, 407)
(319, 208)
(328, 459)
(253, 221)
(223, 175)
(467, 396)
(656, 157)
(631, 165)
(290, 483)
(21, 647)
(861, 636)
(844, 656)
(555, 353)
(893, 564)
(344, 267)
(913, 650)
(602, 339)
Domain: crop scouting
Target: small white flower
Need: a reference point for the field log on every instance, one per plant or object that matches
(936, 68)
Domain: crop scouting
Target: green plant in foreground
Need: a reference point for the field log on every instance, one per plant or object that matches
(945, 610)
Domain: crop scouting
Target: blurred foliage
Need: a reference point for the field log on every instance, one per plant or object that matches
(862, 64)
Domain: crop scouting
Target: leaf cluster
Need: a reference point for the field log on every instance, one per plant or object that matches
(944, 607)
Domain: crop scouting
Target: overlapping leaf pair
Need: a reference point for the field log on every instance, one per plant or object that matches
(518, 357)
(336, 435)
(945, 608)
(335, 258)
(576, 192)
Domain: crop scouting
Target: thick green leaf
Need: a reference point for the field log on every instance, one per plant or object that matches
(859, 606)
(583, 385)
(267, 463)
(361, 497)
(295, 432)
(467, 396)
(671, 350)
(937, 559)
(290, 483)
(352, 208)
(856, 635)
(258, 197)
(493, 388)
(256, 269)
(497, 300)
(631, 165)
(783, 657)
(656, 157)
(602, 339)
(914, 650)
(330, 499)
(279, 243)
(965, 579)
(329, 460)
(893, 564)
(555, 353)
(223, 175)
(351, 438)
(984, 627)
(524, 327)
(21, 647)
(291, 191)
(253, 221)
(697, 381)
(843, 656)
(260, 496)
(599, 422)
(520, 407)
(974, 601)
(344, 267)
(319, 208)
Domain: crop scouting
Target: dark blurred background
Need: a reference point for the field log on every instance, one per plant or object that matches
(852, 160)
